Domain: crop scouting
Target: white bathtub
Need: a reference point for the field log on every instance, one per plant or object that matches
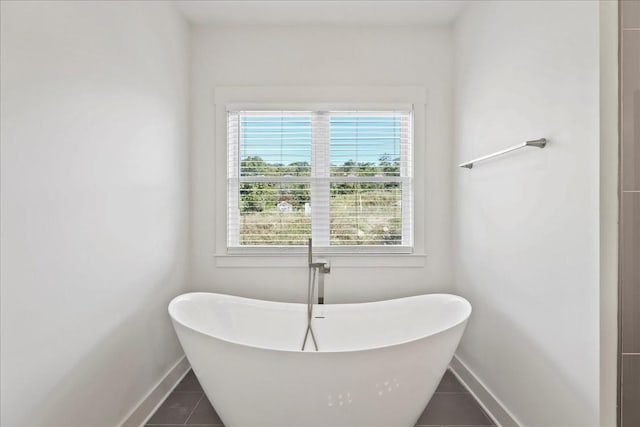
(378, 365)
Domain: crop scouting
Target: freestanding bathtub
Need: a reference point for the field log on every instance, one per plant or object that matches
(378, 363)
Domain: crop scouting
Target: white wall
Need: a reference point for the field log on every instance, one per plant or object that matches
(526, 225)
(94, 206)
(322, 56)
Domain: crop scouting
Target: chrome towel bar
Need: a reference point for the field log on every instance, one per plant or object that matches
(540, 143)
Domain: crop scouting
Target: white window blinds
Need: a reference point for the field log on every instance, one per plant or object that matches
(341, 177)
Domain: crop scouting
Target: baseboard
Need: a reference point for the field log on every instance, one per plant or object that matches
(489, 402)
(148, 404)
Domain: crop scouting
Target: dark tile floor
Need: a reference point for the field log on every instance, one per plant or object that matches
(451, 406)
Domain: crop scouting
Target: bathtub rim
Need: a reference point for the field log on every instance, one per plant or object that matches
(365, 349)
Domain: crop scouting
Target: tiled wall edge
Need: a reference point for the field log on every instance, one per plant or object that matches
(148, 404)
(489, 402)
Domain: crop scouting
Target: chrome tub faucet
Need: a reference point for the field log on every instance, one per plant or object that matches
(323, 266)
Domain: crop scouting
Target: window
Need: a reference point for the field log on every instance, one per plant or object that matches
(342, 177)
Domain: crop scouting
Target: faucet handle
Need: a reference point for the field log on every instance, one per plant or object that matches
(327, 267)
(324, 264)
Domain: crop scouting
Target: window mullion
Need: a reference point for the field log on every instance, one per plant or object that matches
(320, 194)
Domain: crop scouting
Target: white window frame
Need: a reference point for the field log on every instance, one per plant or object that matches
(320, 98)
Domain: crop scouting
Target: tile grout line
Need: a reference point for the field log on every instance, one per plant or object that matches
(194, 409)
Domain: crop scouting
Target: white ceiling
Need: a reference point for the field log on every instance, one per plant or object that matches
(389, 12)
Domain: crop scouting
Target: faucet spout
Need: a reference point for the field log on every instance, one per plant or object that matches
(321, 288)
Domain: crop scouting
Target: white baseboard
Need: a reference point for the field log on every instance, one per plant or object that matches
(148, 404)
(489, 402)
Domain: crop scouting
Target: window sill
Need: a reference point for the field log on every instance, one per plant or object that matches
(337, 260)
